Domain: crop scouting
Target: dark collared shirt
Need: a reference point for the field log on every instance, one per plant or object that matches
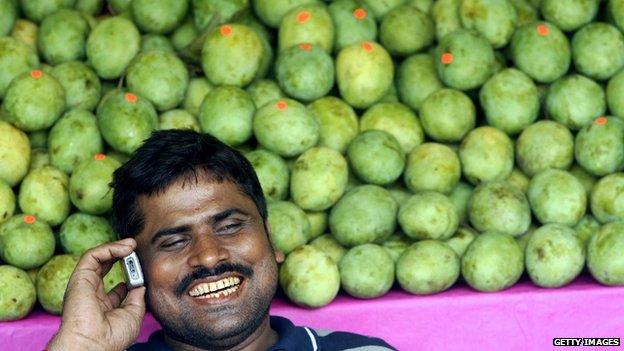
(293, 338)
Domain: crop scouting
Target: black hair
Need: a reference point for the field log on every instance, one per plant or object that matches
(171, 155)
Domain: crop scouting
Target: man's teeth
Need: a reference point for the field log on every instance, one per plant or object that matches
(216, 289)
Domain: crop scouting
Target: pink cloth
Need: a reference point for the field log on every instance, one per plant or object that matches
(523, 317)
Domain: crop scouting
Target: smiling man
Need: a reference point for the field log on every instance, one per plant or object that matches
(193, 210)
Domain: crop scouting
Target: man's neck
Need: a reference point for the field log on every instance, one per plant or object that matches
(260, 340)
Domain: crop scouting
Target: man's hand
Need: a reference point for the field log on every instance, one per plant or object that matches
(92, 319)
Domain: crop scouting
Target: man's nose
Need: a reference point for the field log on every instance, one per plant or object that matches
(207, 252)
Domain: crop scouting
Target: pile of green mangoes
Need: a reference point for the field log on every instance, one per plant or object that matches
(410, 141)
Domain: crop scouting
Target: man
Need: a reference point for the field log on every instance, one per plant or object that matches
(193, 210)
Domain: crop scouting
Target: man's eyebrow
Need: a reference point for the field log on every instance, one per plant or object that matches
(170, 231)
(218, 217)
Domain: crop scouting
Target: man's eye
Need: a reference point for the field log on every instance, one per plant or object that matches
(171, 244)
(230, 228)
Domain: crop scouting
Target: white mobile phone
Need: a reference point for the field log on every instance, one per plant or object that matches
(133, 271)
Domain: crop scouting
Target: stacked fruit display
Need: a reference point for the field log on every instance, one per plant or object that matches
(417, 140)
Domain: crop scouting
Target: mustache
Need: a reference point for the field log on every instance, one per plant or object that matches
(203, 272)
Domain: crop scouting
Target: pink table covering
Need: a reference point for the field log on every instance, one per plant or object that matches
(521, 318)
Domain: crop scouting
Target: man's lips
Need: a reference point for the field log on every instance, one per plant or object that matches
(214, 286)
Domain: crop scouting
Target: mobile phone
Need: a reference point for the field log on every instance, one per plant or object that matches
(133, 271)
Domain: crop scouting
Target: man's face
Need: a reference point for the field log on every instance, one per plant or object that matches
(210, 270)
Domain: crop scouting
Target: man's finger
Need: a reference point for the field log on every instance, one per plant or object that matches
(95, 259)
(117, 294)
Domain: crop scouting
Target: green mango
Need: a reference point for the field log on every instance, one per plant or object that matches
(510, 101)
(615, 94)
(159, 76)
(338, 122)
(271, 12)
(39, 158)
(290, 227)
(81, 232)
(376, 157)
(52, 281)
(586, 228)
(227, 113)
(363, 214)
(501, 207)
(604, 254)
(464, 60)
(318, 222)
(309, 277)
(285, 127)
(233, 55)
(395, 119)
(26, 242)
(447, 115)
(460, 241)
(311, 24)
(34, 101)
(428, 215)
(63, 36)
(197, 90)
(405, 30)
(37, 11)
(432, 167)
(119, 6)
(112, 45)
(569, 15)
(184, 35)
(205, 10)
(605, 198)
(459, 196)
(7, 202)
(14, 153)
(381, 8)
(525, 11)
(158, 16)
(598, 50)
(27, 32)
(263, 91)
(73, 139)
(89, 185)
(178, 119)
(445, 15)
(556, 196)
(17, 291)
(15, 58)
(554, 256)
(353, 23)
(366, 271)
(8, 15)
(154, 42)
(542, 51)
(615, 11)
(126, 120)
(584, 177)
(599, 146)
(43, 193)
(364, 73)
(417, 78)
(330, 247)
(495, 20)
(543, 145)
(486, 153)
(305, 72)
(319, 178)
(575, 101)
(82, 86)
(272, 173)
(493, 262)
(89, 7)
(427, 267)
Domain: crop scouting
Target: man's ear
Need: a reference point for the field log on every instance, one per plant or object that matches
(279, 255)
